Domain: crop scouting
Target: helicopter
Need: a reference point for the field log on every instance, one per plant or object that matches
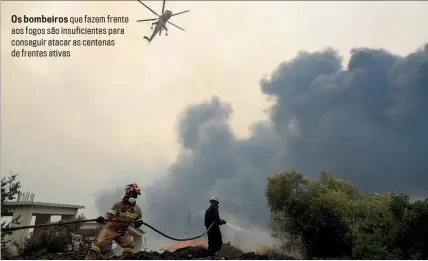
(160, 24)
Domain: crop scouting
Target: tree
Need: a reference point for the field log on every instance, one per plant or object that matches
(411, 236)
(10, 188)
(312, 215)
(330, 218)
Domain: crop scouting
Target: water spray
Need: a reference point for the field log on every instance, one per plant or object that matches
(235, 227)
(241, 229)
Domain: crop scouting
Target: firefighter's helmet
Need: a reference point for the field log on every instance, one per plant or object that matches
(133, 188)
(214, 199)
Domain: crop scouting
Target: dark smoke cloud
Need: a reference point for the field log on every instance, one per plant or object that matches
(368, 123)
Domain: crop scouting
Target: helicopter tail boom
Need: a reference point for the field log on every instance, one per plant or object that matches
(145, 20)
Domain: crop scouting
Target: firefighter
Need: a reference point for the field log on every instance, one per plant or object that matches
(122, 210)
(214, 235)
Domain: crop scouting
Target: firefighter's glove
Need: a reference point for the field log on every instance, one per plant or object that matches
(138, 223)
(222, 222)
(101, 220)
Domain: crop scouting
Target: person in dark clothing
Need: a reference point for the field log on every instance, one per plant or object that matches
(215, 240)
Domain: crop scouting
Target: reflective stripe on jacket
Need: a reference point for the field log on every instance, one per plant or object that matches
(122, 212)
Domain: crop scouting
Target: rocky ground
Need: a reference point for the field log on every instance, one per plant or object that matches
(194, 253)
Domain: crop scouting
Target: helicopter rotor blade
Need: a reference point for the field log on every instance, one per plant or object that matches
(181, 12)
(144, 20)
(176, 26)
(148, 7)
(163, 6)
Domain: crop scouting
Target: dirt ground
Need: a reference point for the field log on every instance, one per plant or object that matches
(195, 253)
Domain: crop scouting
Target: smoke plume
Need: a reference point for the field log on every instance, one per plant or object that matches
(367, 122)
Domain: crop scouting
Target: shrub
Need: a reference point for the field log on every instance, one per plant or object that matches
(330, 218)
(61, 238)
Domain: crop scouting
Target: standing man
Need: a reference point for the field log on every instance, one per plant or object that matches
(125, 210)
(215, 241)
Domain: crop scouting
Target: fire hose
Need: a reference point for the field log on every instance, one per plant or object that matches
(118, 221)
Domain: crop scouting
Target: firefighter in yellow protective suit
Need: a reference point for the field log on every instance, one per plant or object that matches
(122, 210)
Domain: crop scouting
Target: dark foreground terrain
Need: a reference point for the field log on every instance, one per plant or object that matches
(194, 253)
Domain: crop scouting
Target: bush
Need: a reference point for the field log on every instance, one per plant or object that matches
(62, 238)
(330, 218)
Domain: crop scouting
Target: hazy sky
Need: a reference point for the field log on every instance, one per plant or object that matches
(72, 127)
